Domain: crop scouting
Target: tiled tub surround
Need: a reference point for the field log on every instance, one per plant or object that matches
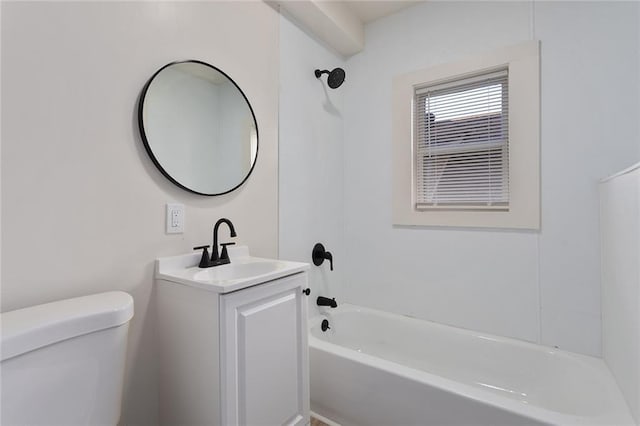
(373, 367)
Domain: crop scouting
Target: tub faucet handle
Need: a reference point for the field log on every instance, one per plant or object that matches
(319, 254)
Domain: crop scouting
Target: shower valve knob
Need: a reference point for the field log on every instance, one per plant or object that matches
(319, 255)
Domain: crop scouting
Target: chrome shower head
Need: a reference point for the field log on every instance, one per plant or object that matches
(335, 79)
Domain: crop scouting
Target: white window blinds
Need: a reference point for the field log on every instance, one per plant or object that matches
(461, 143)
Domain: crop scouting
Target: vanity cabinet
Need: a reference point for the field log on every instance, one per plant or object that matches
(236, 358)
(265, 355)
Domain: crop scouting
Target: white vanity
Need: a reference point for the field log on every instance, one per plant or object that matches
(233, 341)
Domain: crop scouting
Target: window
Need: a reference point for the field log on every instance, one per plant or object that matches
(466, 142)
(461, 139)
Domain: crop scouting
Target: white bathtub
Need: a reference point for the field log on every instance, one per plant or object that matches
(375, 368)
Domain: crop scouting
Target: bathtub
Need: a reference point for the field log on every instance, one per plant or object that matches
(375, 368)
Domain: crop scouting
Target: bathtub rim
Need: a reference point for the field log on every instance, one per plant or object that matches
(618, 413)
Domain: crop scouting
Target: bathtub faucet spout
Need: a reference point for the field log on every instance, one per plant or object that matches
(325, 301)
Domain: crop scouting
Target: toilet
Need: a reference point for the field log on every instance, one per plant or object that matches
(63, 362)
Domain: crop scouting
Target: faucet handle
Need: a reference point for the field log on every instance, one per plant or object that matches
(329, 257)
(225, 255)
(204, 260)
(319, 254)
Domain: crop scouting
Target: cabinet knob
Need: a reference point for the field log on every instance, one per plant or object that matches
(306, 291)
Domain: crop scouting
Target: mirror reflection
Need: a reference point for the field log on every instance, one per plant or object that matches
(198, 127)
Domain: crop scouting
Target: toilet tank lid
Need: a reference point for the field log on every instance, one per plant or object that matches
(27, 329)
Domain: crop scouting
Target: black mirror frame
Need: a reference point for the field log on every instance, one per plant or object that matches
(147, 147)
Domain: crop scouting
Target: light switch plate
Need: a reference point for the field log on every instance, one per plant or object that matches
(175, 218)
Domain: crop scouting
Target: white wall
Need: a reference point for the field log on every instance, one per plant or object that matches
(620, 221)
(538, 286)
(590, 109)
(82, 204)
(311, 159)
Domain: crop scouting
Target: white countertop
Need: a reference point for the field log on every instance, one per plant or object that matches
(184, 270)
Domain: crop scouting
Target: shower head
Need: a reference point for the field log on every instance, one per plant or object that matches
(335, 79)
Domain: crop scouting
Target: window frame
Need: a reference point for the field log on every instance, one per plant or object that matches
(523, 64)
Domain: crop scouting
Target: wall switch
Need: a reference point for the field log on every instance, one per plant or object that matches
(175, 218)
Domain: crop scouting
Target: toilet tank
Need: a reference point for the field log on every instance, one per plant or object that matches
(63, 362)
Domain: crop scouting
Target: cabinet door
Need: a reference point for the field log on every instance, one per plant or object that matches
(264, 354)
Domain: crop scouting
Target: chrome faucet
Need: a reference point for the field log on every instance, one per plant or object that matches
(224, 256)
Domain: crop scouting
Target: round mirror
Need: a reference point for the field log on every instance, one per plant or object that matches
(198, 127)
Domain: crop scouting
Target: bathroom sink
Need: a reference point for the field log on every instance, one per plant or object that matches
(236, 270)
(243, 271)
